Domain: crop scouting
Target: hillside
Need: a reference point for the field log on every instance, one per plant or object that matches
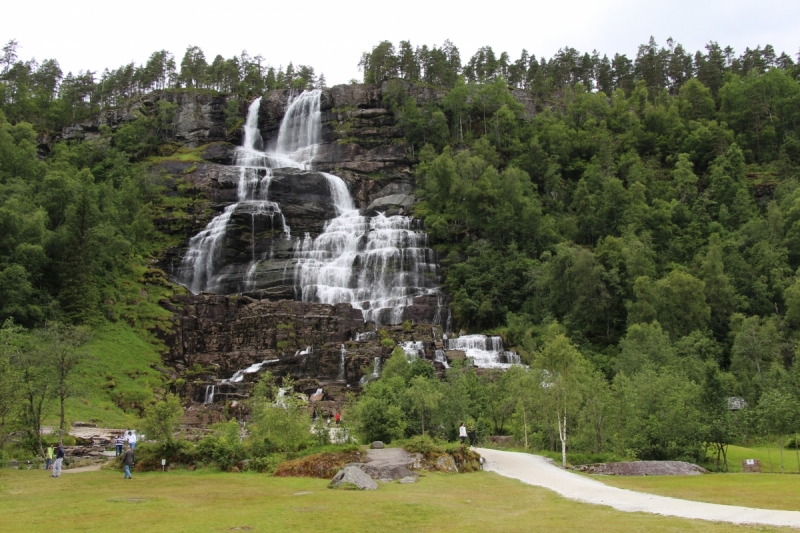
(636, 214)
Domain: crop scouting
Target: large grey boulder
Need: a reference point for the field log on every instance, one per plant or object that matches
(383, 472)
(353, 477)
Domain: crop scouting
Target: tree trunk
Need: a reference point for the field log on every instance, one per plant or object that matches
(61, 427)
(423, 423)
(797, 452)
(525, 426)
(562, 434)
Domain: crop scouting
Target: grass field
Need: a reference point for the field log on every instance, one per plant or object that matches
(765, 491)
(770, 458)
(208, 501)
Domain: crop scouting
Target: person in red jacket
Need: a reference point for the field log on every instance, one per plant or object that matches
(337, 417)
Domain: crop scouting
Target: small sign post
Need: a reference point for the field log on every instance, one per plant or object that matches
(751, 465)
(163, 464)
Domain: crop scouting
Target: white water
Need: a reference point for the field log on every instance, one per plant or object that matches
(209, 397)
(342, 355)
(238, 376)
(485, 352)
(413, 350)
(200, 268)
(376, 372)
(441, 357)
(366, 335)
(378, 264)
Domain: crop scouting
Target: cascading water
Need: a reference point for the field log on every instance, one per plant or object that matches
(485, 352)
(342, 370)
(440, 356)
(413, 350)
(238, 376)
(209, 397)
(200, 268)
(378, 264)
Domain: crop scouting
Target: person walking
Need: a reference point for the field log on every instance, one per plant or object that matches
(128, 460)
(471, 432)
(48, 458)
(337, 417)
(132, 439)
(119, 442)
(462, 433)
(59, 460)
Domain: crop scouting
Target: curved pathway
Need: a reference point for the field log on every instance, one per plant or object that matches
(536, 470)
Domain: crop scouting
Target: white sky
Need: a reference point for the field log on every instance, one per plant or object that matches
(331, 35)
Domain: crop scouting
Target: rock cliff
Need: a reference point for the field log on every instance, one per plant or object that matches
(319, 346)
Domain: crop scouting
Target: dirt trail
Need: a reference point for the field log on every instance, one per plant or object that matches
(536, 470)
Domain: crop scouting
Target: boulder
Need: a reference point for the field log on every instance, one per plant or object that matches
(644, 468)
(352, 477)
(383, 472)
(408, 479)
(445, 463)
(377, 445)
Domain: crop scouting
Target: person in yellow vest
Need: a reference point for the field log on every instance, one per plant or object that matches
(49, 457)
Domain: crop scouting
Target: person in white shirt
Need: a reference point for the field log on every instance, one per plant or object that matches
(132, 439)
(462, 433)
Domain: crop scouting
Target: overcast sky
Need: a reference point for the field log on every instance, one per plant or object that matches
(331, 35)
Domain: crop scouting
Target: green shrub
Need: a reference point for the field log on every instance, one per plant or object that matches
(265, 464)
(424, 445)
(223, 447)
(388, 343)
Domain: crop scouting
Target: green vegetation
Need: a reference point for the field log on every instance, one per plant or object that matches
(629, 226)
(179, 501)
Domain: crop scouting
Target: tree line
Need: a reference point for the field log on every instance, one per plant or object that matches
(40, 93)
(660, 67)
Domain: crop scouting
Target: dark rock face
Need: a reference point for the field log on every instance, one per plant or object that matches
(200, 117)
(224, 334)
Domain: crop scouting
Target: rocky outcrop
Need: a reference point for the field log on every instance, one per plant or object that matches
(644, 468)
(352, 477)
(199, 118)
(319, 346)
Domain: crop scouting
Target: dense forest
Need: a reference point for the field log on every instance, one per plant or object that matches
(632, 228)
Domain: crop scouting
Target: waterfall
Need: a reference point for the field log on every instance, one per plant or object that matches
(485, 352)
(200, 267)
(376, 263)
(376, 372)
(238, 376)
(441, 357)
(209, 397)
(342, 374)
(413, 350)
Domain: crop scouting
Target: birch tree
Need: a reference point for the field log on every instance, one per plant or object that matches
(566, 370)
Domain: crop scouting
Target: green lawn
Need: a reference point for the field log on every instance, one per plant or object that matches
(770, 458)
(765, 491)
(207, 501)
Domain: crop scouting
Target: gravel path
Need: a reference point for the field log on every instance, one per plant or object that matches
(536, 470)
